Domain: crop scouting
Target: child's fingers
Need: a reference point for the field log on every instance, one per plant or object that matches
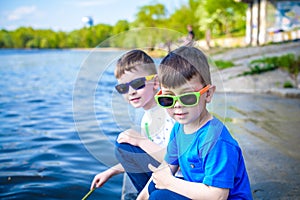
(93, 185)
(152, 168)
(159, 168)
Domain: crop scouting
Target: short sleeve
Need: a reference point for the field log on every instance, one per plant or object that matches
(221, 165)
(171, 156)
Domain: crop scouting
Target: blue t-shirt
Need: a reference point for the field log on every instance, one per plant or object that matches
(210, 156)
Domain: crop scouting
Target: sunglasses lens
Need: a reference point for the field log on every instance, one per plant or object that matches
(165, 101)
(138, 83)
(189, 99)
(122, 88)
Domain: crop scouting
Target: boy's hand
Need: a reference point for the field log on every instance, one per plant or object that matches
(130, 136)
(162, 176)
(100, 179)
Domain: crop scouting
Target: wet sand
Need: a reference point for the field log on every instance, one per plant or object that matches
(267, 129)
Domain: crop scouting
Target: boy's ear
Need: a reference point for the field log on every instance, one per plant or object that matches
(156, 82)
(210, 93)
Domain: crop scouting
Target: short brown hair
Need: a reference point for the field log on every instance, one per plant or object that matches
(133, 59)
(180, 65)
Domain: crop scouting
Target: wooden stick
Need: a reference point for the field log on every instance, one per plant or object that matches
(88, 194)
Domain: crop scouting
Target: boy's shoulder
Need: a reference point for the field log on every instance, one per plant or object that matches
(222, 132)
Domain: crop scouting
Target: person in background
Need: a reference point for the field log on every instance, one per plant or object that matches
(210, 160)
(191, 34)
(190, 37)
(138, 83)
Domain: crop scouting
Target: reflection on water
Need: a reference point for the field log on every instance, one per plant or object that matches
(42, 155)
(58, 125)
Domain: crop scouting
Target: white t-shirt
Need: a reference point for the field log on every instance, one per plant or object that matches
(156, 125)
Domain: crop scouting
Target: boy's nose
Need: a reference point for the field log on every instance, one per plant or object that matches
(131, 90)
(177, 104)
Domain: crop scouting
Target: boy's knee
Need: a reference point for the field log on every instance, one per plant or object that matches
(121, 146)
(123, 150)
(153, 192)
(159, 194)
(118, 149)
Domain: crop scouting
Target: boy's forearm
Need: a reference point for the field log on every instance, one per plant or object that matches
(117, 169)
(197, 190)
(156, 151)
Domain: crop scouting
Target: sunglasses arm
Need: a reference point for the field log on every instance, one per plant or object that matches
(205, 89)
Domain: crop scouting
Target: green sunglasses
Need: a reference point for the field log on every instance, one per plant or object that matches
(188, 99)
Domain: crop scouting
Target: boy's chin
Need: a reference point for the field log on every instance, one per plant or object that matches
(136, 105)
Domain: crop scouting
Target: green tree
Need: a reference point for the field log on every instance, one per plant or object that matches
(21, 36)
(6, 39)
(120, 26)
(221, 17)
(150, 16)
(184, 16)
(102, 32)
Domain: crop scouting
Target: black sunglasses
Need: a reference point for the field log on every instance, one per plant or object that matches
(136, 84)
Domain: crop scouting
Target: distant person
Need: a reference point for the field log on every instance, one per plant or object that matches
(191, 34)
(208, 38)
(190, 37)
(138, 83)
(210, 160)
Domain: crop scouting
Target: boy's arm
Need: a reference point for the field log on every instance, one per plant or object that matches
(144, 193)
(197, 190)
(163, 179)
(104, 176)
(136, 139)
(153, 149)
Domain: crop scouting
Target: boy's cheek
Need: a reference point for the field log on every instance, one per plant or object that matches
(125, 96)
(170, 112)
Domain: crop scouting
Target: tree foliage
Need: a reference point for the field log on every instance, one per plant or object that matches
(221, 17)
(224, 17)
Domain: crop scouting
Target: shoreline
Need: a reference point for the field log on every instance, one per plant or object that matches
(227, 80)
(271, 82)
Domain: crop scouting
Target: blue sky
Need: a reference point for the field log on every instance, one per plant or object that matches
(66, 15)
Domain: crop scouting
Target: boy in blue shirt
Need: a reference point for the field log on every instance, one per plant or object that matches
(210, 160)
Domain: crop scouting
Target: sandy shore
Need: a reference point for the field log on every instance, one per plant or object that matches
(266, 127)
(269, 82)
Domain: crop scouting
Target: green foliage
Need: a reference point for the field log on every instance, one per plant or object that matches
(184, 16)
(262, 65)
(150, 15)
(222, 64)
(288, 62)
(291, 64)
(288, 84)
(222, 17)
(121, 26)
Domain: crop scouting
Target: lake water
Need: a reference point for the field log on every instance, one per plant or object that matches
(59, 116)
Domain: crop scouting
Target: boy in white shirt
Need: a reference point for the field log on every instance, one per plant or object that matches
(137, 77)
